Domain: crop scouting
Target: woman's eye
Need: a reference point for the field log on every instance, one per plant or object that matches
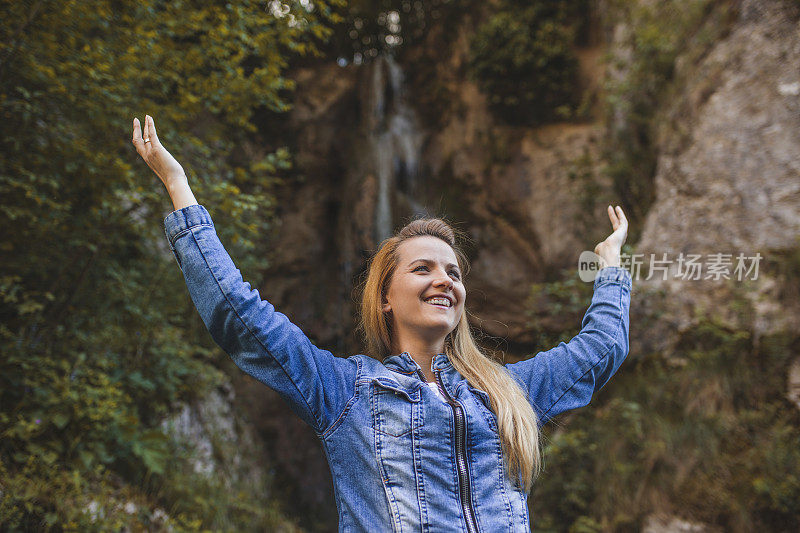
(454, 273)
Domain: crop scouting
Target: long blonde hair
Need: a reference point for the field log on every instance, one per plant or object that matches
(516, 419)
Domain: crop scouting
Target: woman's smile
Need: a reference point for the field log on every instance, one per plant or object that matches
(442, 302)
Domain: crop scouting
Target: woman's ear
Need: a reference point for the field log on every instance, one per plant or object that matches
(387, 307)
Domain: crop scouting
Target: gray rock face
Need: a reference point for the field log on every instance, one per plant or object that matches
(793, 392)
(728, 178)
(673, 524)
(732, 180)
(222, 446)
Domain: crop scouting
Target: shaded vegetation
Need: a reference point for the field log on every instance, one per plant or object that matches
(523, 59)
(373, 28)
(99, 340)
(414, 32)
(552, 304)
(522, 55)
(706, 435)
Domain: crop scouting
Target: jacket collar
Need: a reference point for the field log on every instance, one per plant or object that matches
(405, 364)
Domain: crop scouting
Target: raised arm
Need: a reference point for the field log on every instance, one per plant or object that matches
(260, 340)
(567, 376)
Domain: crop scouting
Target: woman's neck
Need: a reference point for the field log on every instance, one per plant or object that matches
(421, 352)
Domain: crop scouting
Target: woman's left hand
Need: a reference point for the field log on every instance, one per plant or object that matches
(610, 249)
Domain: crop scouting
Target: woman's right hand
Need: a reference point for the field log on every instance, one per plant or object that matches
(155, 155)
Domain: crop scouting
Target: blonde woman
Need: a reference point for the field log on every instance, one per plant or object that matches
(425, 433)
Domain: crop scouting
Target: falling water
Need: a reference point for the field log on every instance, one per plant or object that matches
(395, 142)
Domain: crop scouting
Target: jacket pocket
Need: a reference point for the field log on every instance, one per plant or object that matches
(484, 405)
(393, 407)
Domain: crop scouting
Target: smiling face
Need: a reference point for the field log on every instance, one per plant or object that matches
(426, 293)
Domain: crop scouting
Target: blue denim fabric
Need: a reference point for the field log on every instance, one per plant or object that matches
(390, 441)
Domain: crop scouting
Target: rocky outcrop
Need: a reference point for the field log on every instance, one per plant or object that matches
(221, 444)
(793, 385)
(673, 524)
(728, 178)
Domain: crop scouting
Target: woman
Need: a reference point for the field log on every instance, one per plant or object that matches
(435, 436)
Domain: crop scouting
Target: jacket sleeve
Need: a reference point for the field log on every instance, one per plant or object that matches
(261, 341)
(566, 377)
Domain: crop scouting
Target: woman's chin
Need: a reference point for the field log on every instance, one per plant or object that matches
(438, 329)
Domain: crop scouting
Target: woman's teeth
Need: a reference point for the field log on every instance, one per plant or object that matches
(439, 301)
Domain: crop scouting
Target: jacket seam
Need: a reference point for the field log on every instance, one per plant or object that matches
(394, 510)
(620, 282)
(346, 411)
(419, 477)
(405, 373)
(502, 475)
(249, 330)
(339, 503)
(616, 277)
(600, 359)
(187, 230)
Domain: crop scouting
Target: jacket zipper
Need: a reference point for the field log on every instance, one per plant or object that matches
(464, 489)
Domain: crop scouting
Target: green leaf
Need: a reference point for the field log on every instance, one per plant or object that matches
(60, 420)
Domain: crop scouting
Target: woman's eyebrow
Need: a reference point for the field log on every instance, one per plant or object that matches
(449, 265)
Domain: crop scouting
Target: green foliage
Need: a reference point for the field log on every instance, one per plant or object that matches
(36, 497)
(552, 304)
(98, 337)
(413, 32)
(582, 171)
(390, 27)
(706, 434)
(213, 500)
(523, 59)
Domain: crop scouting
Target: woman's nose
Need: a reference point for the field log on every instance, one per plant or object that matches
(444, 280)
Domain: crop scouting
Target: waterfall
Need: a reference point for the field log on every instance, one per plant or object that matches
(395, 142)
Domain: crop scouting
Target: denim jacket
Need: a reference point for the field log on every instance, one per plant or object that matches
(402, 458)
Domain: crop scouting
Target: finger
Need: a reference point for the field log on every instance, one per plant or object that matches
(137, 137)
(151, 129)
(613, 217)
(623, 227)
(622, 218)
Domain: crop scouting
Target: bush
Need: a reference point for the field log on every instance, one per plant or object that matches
(523, 58)
(98, 337)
